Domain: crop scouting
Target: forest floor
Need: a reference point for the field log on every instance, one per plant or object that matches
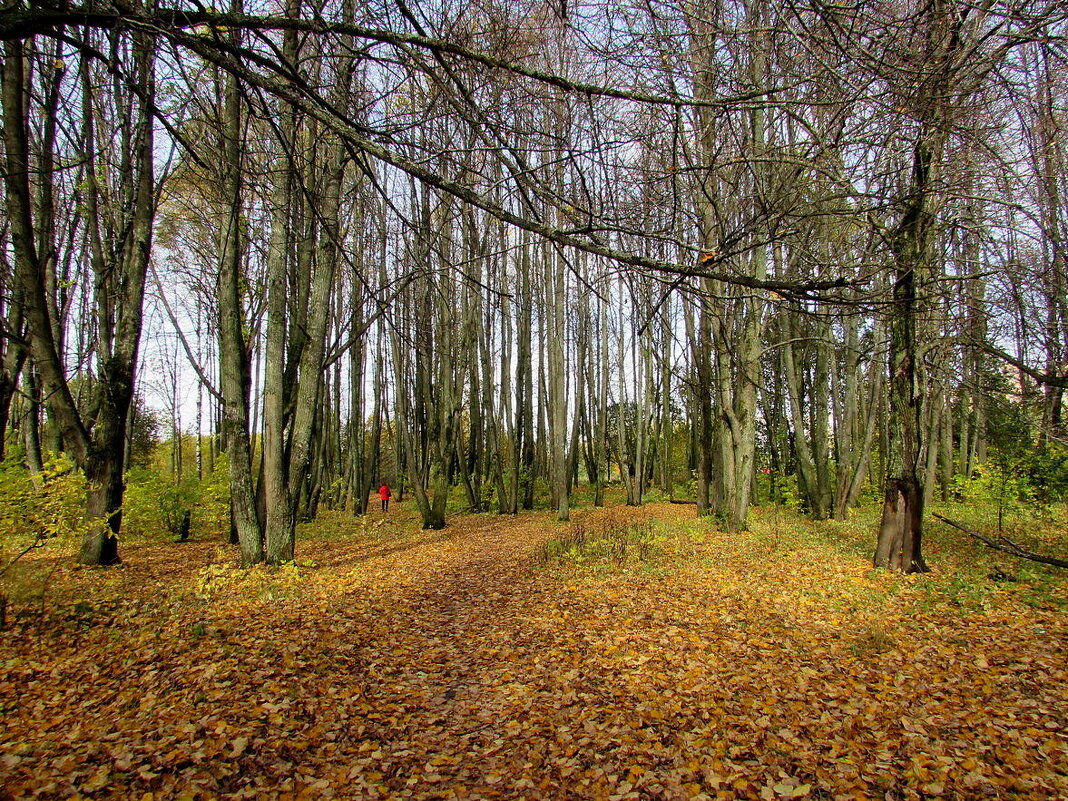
(633, 654)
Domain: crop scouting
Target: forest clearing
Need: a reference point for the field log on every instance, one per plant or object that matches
(634, 653)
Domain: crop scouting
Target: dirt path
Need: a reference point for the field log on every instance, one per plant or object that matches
(468, 625)
(506, 694)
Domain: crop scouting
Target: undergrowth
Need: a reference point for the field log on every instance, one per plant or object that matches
(618, 537)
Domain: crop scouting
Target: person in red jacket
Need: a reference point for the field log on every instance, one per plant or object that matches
(385, 494)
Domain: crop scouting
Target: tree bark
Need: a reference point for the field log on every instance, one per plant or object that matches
(234, 371)
(899, 544)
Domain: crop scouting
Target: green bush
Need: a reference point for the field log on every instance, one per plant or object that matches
(1047, 473)
(155, 504)
(34, 513)
(38, 508)
(1003, 486)
(788, 492)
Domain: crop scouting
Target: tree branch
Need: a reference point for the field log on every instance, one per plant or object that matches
(1049, 379)
(1003, 544)
(23, 24)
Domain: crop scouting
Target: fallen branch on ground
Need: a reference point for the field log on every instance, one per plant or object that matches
(1003, 543)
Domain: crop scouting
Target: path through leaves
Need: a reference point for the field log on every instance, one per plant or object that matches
(456, 664)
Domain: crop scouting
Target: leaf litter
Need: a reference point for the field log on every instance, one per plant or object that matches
(461, 664)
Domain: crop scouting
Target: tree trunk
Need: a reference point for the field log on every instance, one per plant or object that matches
(901, 530)
(234, 378)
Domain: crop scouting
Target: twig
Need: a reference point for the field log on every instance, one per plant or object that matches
(37, 543)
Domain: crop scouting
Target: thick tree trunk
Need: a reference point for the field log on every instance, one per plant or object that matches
(699, 335)
(280, 517)
(806, 466)
(310, 386)
(932, 444)
(899, 542)
(601, 426)
(811, 448)
(12, 358)
(234, 378)
(103, 512)
(737, 314)
(851, 480)
(737, 372)
(821, 412)
(510, 388)
(945, 458)
(666, 477)
(901, 529)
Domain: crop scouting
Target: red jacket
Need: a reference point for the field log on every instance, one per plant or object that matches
(384, 492)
